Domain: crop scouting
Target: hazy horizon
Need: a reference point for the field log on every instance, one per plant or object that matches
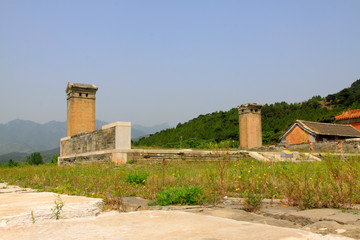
(132, 124)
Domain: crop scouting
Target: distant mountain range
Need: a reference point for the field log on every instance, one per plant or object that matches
(21, 137)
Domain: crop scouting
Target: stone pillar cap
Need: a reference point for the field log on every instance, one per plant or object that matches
(78, 86)
(249, 105)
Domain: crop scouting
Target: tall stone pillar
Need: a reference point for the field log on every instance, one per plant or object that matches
(80, 108)
(250, 132)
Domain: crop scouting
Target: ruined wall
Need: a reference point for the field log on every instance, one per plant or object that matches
(184, 155)
(347, 146)
(90, 142)
(111, 143)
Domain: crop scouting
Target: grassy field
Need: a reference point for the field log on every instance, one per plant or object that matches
(330, 183)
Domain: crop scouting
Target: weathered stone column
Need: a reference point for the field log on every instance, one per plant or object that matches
(80, 108)
(250, 132)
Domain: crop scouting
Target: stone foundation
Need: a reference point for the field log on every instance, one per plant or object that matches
(184, 155)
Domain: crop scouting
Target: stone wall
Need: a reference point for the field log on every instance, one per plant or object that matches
(347, 146)
(90, 142)
(111, 143)
(184, 155)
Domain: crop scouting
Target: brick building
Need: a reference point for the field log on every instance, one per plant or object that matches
(350, 117)
(306, 131)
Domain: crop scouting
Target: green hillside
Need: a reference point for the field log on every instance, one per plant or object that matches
(221, 128)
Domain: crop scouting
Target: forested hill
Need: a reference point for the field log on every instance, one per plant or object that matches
(276, 118)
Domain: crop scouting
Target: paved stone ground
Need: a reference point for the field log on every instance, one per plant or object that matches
(24, 206)
(154, 225)
(274, 213)
(81, 219)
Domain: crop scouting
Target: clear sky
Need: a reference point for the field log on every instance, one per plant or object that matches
(169, 61)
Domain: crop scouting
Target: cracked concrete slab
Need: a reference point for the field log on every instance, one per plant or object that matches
(324, 227)
(155, 225)
(315, 215)
(4, 188)
(22, 207)
(25, 214)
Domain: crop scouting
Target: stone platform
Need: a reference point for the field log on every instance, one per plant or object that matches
(80, 219)
(154, 225)
(20, 206)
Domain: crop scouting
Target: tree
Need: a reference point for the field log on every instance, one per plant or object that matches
(12, 163)
(34, 159)
(54, 159)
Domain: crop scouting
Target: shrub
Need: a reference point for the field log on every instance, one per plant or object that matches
(12, 163)
(186, 195)
(133, 161)
(136, 178)
(35, 159)
(54, 159)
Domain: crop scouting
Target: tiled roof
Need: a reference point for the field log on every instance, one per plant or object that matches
(349, 114)
(329, 129)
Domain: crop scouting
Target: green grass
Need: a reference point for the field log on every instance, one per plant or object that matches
(185, 195)
(331, 183)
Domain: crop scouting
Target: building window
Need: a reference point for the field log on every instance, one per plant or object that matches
(87, 95)
(79, 94)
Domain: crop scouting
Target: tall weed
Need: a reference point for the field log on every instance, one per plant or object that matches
(331, 183)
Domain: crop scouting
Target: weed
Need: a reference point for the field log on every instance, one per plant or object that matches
(185, 195)
(136, 178)
(59, 204)
(331, 183)
(356, 212)
(114, 203)
(222, 165)
(32, 217)
(213, 196)
(163, 164)
(252, 201)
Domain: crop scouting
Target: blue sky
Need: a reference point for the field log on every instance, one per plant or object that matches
(169, 61)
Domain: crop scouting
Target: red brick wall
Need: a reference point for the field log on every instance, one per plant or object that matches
(297, 135)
